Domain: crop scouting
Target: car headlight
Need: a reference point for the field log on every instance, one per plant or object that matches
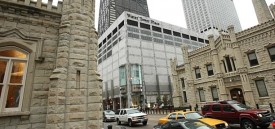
(145, 117)
(259, 115)
(226, 125)
(134, 118)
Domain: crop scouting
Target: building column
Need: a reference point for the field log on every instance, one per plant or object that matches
(241, 69)
(177, 95)
(190, 88)
(217, 67)
(75, 92)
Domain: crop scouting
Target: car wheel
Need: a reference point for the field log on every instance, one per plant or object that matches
(248, 124)
(118, 122)
(144, 123)
(130, 123)
(264, 126)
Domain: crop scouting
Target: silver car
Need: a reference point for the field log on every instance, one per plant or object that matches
(108, 115)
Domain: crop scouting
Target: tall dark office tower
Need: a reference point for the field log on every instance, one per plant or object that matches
(110, 10)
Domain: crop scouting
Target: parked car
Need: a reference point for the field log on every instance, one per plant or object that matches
(234, 112)
(131, 116)
(108, 115)
(195, 116)
(273, 124)
(184, 124)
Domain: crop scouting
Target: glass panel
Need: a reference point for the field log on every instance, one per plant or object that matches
(202, 97)
(17, 72)
(12, 53)
(272, 51)
(13, 96)
(252, 56)
(136, 74)
(122, 76)
(261, 88)
(3, 65)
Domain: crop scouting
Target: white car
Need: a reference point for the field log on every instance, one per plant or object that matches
(131, 116)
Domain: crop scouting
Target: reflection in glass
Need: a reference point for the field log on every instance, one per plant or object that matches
(3, 65)
(17, 72)
(12, 53)
(13, 96)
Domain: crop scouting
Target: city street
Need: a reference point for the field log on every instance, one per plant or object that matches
(153, 120)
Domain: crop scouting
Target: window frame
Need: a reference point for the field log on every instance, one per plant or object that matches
(197, 75)
(200, 95)
(252, 61)
(260, 94)
(272, 57)
(214, 99)
(6, 82)
(209, 71)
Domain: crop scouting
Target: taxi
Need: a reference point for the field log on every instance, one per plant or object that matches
(193, 115)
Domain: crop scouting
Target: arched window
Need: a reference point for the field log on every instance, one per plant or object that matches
(13, 69)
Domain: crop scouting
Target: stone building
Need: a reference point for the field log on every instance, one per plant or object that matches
(48, 65)
(235, 66)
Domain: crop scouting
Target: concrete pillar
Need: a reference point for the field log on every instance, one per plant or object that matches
(217, 68)
(177, 94)
(75, 93)
(262, 12)
(241, 69)
(190, 88)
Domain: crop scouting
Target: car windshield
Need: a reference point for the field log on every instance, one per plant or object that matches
(193, 115)
(109, 112)
(132, 111)
(195, 125)
(240, 106)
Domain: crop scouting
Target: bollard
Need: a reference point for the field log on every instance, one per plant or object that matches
(109, 127)
(257, 106)
(271, 107)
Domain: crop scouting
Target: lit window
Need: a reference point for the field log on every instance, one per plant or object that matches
(271, 52)
(253, 59)
(261, 88)
(13, 64)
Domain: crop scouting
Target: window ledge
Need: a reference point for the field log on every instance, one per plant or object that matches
(254, 66)
(264, 98)
(4, 114)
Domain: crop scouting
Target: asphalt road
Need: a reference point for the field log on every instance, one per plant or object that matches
(153, 120)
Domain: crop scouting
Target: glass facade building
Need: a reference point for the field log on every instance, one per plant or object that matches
(134, 59)
(210, 16)
(110, 10)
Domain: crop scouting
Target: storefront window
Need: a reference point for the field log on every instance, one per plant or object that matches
(13, 64)
(122, 75)
(136, 74)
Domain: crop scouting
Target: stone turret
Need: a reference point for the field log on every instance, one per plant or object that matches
(262, 12)
(74, 100)
(272, 9)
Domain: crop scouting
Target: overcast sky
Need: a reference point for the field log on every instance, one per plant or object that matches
(171, 11)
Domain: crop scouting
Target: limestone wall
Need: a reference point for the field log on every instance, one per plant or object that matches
(19, 24)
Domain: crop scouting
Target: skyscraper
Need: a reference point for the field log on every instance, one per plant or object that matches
(110, 10)
(210, 16)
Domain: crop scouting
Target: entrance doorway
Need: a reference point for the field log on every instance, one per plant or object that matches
(237, 94)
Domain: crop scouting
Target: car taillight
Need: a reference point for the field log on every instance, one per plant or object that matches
(273, 124)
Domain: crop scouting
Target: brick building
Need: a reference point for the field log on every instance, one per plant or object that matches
(48, 65)
(238, 66)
